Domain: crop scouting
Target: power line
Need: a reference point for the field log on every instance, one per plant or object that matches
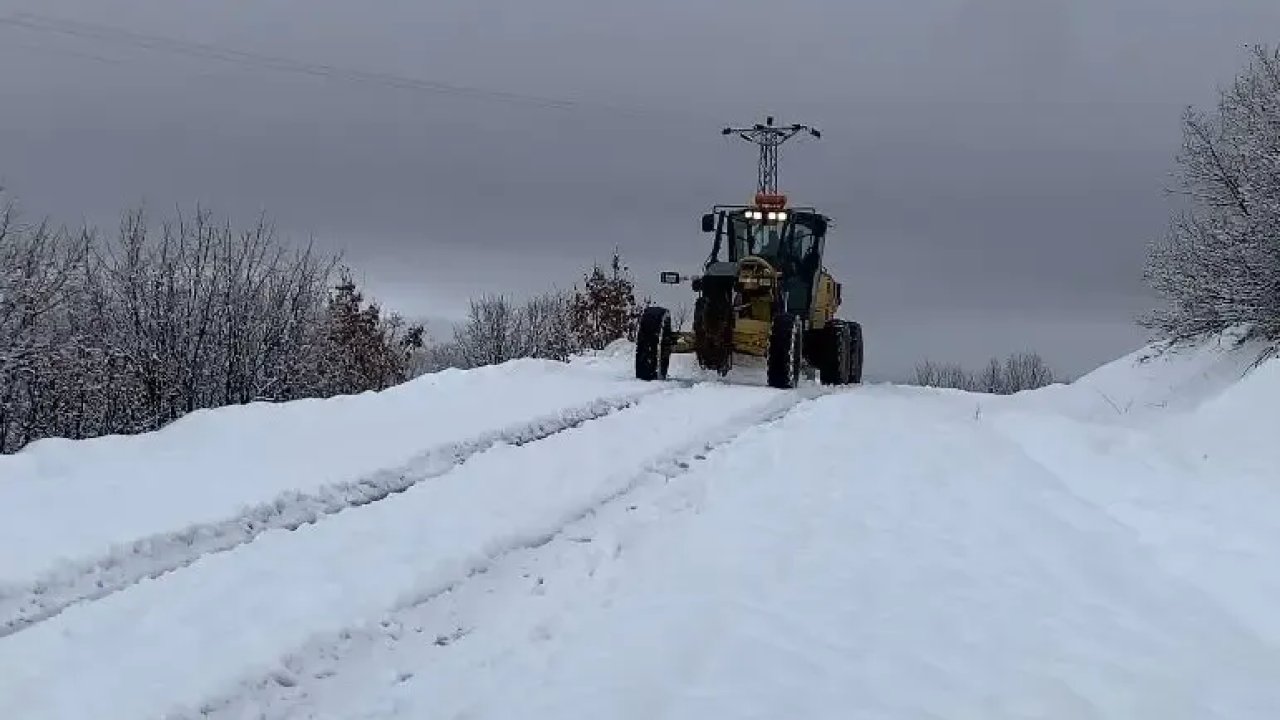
(157, 43)
(51, 50)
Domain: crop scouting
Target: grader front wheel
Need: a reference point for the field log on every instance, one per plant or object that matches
(713, 331)
(653, 344)
(855, 353)
(785, 352)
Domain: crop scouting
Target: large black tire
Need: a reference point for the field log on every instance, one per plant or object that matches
(786, 347)
(713, 332)
(836, 357)
(855, 353)
(653, 344)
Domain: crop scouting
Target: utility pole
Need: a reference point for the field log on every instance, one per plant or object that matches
(769, 137)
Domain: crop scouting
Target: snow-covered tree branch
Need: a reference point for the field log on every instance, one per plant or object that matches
(123, 336)
(1218, 266)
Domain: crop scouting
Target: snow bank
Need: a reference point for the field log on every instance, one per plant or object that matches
(1213, 401)
(1147, 383)
(1239, 429)
(66, 500)
(1183, 453)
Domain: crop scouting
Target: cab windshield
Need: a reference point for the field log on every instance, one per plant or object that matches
(764, 238)
(792, 245)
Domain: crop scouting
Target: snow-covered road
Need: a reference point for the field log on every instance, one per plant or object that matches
(712, 550)
(242, 610)
(877, 554)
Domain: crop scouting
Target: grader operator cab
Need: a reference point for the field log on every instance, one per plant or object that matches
(763, 290)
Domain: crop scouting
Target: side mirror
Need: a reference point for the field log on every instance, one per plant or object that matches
(709, 223)
(670, 278)
(821, 226)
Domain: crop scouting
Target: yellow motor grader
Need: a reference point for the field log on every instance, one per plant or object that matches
(763, 292)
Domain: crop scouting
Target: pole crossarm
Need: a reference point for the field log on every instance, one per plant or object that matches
(769, 137)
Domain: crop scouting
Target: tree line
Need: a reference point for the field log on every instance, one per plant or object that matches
(124, 334)
(1017, 372)
(553, 325)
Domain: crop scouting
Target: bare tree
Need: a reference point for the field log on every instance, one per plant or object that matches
(491, 333)
(1022, 371)
(545, 327)
(437, 356)
(1025, 371)
(206, 316)
(1218, 266)
(38, 268)
(943, 375)
(552, 325)
(926, 374)
(992, 378)
(497, 330)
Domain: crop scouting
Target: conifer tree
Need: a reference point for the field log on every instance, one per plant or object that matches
(605, 309)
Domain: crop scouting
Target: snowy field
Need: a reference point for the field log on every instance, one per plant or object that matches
(538, 540)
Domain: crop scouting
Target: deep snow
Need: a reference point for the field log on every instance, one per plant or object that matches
(1097, 550)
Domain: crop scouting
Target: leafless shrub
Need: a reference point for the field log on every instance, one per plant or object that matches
(545, 327)
(1018, 372)
(490, 334)
(943, 375)
(1025, 371)
(497, 330)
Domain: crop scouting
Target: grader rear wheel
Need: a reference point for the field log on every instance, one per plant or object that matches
(835, 360)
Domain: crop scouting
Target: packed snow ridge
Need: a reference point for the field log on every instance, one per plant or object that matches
(549, 540)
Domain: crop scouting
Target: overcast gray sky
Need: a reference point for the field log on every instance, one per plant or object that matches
(995, 167)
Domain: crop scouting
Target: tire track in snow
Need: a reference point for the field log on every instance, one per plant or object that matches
(278, 693)
(151, 557)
